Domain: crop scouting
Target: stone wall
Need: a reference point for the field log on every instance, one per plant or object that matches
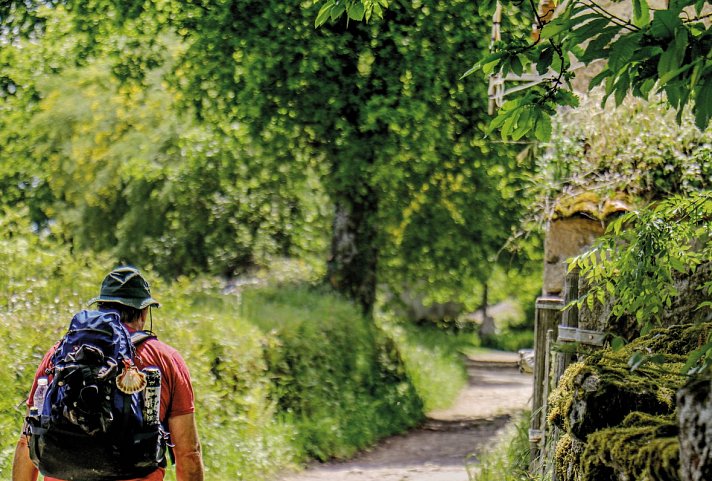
(566, 238)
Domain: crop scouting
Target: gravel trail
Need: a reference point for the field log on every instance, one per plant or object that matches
(450, 439)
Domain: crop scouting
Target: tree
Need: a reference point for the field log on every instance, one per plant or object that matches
(384, 110)
(381, 108)
(114, 166)
(651, 50)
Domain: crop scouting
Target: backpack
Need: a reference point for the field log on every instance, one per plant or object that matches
(91, 426)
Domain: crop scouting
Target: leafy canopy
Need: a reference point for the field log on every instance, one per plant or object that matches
(646, 51)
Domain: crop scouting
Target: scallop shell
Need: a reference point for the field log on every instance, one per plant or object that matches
(131, 380)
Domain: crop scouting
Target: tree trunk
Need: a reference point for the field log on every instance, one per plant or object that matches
(351, 268)
(487, 329)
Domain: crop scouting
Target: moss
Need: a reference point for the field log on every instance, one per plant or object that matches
(567, 458)
(676, 340)
(597, 396)
(643, 447)
(620, 424)
(591, 204)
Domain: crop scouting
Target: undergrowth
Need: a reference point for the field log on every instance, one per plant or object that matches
(508, 460)
(433, 359)
(282, 374)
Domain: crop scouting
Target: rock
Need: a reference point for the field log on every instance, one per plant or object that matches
(591, 397)
(694, 406)
(642, 447)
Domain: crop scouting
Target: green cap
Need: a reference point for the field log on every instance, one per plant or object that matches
(126, 285)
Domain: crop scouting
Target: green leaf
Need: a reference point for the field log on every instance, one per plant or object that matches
(595, 81)
(324, 14)
(677, 94)
(699, 5)
(618, 343)
(657, 359)
(694, 357)
(486, 8)
(555, 27)
(544, 60)
(622, 50)
(338, 10)
(671, 74)
(588, 30)
(646, 87)
(356, 11)
(703, 104)
(641, 13)
(636, 360)
(664, 24)
(566, 98)
(622, 87)
(525, 123)
(516, 66)
(511, 114)
(597, 47)
(542, 128)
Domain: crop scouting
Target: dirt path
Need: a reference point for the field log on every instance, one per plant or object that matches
(449, 439)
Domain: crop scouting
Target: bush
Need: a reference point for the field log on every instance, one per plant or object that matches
(337, 379)
(280, 374)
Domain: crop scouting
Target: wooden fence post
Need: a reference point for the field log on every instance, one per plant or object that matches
(546, 318)
(569, 318)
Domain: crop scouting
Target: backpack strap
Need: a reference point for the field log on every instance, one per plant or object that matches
(138, 337)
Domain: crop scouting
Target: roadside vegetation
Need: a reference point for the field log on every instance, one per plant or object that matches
(508, 459)
(284, 370)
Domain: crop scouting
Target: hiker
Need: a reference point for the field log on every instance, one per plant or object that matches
(125, 296)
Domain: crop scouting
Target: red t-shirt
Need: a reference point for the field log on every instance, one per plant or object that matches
(176, 389)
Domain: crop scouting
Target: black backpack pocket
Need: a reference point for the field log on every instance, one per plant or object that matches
(65, 453)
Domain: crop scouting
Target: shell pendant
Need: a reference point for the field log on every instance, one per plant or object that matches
(131, 380)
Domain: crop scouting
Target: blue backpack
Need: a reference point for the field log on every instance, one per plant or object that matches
(91, 426)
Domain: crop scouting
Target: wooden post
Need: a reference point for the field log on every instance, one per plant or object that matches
(547, 317)
(569, 318)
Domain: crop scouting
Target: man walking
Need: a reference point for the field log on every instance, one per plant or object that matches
(126, 293)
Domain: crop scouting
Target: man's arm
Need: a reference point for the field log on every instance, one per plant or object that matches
(22, 467)
(184, 435)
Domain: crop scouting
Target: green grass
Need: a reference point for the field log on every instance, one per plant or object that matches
(508, 460)
(433, 358)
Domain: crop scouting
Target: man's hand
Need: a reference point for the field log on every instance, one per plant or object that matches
(22, 467)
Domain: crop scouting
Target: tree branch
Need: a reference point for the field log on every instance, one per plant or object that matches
(613, 18)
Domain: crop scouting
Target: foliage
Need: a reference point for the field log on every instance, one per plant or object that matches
(636, 149)
(321, 347)
(235, 354)
(648, 50)
(644, 251)
(96, 158)
(662, 50)
(378, 112)
(355, 9)
(508, 460)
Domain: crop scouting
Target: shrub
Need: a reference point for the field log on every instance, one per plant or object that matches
(280, 374)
